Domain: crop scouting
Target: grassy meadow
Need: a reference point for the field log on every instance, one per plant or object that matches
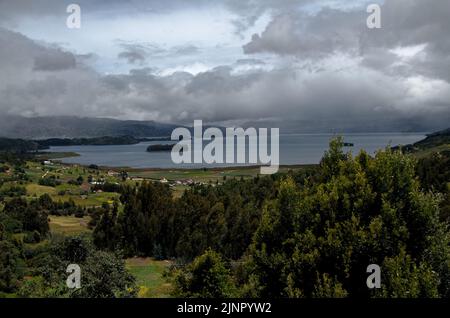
(150, 278)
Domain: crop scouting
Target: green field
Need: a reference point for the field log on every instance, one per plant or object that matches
(90, 200)
(68, 225)
(149, 277)
(56, 155)
(36, 190)
(204, 175)
(82, 194)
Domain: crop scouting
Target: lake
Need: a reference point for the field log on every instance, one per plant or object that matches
(294, 149)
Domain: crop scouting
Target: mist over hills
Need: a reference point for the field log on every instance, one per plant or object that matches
(89, 127)
(339, 126)
(77, 127)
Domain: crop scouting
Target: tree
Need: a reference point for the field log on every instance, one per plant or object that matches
(103, 274)
(206, 277)
(32, 216)
(317, 239)
(402, 278)
(10, 266)
(104, 235)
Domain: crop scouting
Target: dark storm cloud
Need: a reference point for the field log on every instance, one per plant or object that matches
(410, 23)
(217, 95)
(27, 90)
(332, 69)
(54, 60)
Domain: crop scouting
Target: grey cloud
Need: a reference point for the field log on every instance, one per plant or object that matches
(219, 81)
(303, 35)
(250, 62)
(250, 10)
(133, 57)
(54, 60)
(142, 71)
(13, 11)
(139, 53)
(361, 94)
(186, 50)
(332, 31)
(380, 59)
(433, 64)
(24, 90)
(410, 23)
(134, 53)
(114, 83)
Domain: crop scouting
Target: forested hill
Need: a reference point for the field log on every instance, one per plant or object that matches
(76, 127)
(435, 139)
(438, 141)
(21, 145)
(18, 145)
(97, 141)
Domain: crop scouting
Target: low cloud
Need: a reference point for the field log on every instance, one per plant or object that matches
(333, 93)
(321, 67)
(54, 60)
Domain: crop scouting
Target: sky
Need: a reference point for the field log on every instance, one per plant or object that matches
(289, 62)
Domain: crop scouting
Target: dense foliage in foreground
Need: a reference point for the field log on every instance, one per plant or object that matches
(317, 240)
(307, 235)
(41, 271)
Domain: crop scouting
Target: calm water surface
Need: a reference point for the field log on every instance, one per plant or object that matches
(294, 149)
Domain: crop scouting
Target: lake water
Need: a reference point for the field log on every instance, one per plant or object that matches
(294, 149)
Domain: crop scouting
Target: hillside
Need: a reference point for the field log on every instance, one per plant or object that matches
(77, 127)
(18, 145)
(96, 141)
(434, 142)
(435, 139)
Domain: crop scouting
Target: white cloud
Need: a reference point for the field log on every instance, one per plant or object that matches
(408, 52)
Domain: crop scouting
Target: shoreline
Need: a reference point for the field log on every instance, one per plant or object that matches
(59, 156)
(150, 169)
(56, 156)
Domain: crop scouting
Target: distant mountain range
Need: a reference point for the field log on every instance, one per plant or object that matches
(21, 145)
(77, 127)
(340, 126)
(86, 127)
